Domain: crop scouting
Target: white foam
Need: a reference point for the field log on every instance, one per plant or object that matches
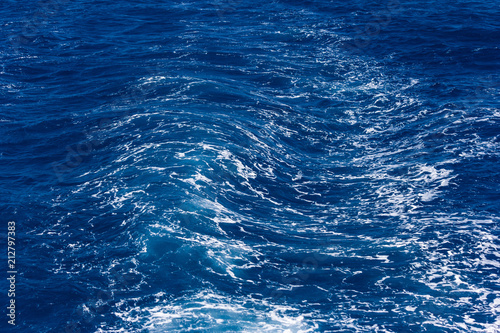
(214, 312)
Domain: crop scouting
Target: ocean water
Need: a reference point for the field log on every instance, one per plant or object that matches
(251, 166)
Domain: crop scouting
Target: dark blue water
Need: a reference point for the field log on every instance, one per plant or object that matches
(251, 166)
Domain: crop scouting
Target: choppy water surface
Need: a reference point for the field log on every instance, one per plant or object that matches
(252, 166)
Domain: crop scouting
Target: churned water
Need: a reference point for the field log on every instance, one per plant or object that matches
(251, 166)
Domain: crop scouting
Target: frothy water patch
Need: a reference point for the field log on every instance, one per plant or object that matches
(210, 311)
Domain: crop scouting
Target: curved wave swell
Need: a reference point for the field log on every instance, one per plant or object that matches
(235, 166)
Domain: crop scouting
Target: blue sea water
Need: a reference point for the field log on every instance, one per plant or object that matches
(251, 166)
